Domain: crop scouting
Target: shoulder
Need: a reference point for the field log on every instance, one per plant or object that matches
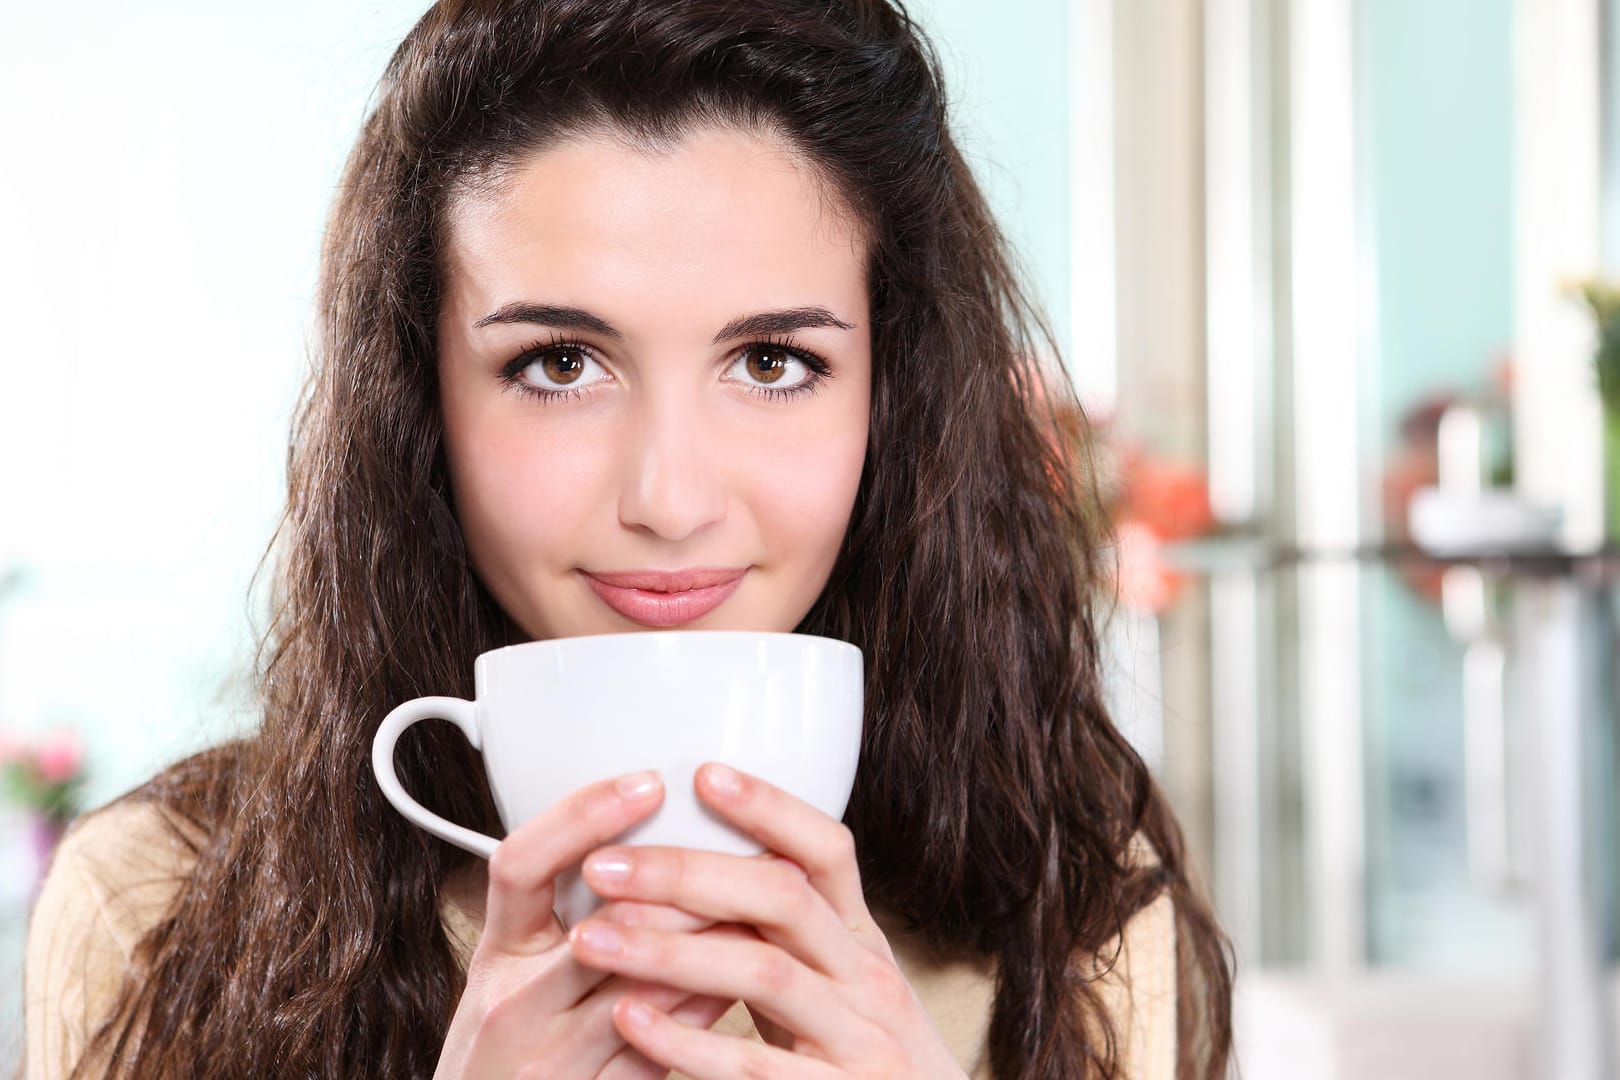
(1135, 974)
(122, 865)
(112, 878)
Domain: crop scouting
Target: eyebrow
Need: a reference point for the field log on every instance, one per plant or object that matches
(572, 318)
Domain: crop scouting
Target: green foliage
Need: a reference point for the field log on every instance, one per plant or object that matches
(1603, 299)
(22, 786)
(24, 783)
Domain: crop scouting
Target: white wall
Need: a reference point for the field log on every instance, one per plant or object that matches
(1007, 72)
(164, 172)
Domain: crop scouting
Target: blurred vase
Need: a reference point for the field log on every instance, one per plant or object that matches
(19, 860)
(27, 841)
(47, 833)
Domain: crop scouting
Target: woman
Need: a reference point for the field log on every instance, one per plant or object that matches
(533, 382)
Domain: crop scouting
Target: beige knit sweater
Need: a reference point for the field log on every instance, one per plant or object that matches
(118, 869)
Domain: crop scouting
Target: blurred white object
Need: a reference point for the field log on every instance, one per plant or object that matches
(1383, 1026)
(1472, 443)
(1464, 514)
(1444, 521)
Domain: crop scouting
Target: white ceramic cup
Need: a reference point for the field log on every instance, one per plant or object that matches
(553, 716)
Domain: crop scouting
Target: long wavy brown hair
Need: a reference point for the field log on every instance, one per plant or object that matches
(995, 803)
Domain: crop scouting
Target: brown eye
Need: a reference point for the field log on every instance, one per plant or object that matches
(559, 368)
(767, 365)
(776, 372)
(563, 367)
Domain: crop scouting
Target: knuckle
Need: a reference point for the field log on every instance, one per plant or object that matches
(665, 870)
(840, 848)
(506, 871)
(623, 913)
(598, 808)
(590, 811)
(886, 990)
(774, 973)
(789, 874)
(794, 898)
(655, 949)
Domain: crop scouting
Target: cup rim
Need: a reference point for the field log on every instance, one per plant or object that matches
(543, 644)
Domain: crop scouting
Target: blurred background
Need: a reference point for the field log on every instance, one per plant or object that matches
(1318, 267)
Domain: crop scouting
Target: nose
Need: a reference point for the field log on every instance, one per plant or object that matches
(673, 487)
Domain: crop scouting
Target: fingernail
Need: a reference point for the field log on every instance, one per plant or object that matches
(724, 781)
(637, 786)
(599, 937)
(636, 1014)
(610, 867)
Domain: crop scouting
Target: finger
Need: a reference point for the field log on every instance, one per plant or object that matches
(708, 1055)
(773, 895)
(732, 967)
(599, 1004)
(791, 827)
(595, 1041)
(569, 989)
(631, 1064)
(653, 916)
(521, 872)
(556, 980)
(699, 1011)
(540, 985)
(581, 1035)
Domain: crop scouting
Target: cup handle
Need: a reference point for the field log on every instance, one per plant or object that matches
(464, 715)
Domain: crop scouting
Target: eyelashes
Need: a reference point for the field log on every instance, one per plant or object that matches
(817, 370)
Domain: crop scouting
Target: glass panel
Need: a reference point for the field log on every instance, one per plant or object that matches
(1437, 794)
(1491, 815)
(1435, 141)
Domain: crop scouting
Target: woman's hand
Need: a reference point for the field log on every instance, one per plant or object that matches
(529, 1009)
(819, 967)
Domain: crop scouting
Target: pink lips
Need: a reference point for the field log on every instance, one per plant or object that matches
(665, 598)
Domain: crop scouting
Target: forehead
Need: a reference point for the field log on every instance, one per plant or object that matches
(721, 220)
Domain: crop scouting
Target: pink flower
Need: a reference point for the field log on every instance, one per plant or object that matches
(1145, 582)
(11, 748)
(1170, 499)
(60, 757)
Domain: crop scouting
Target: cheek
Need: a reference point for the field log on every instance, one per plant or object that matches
(808, 491)
(519, 492)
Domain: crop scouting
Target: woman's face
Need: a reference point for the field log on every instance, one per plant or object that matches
(655, 372)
